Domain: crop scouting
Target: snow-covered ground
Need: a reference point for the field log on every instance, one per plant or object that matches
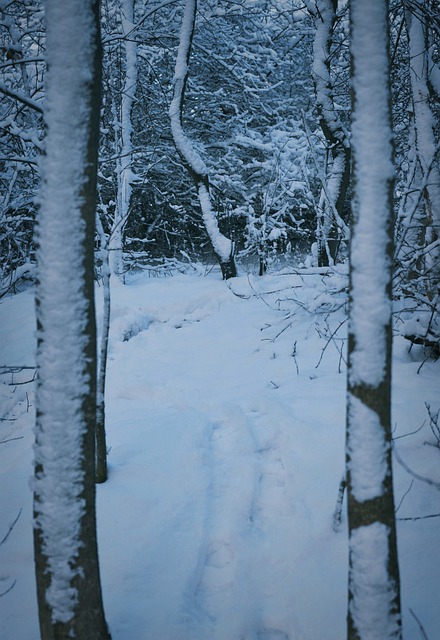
(225, 423)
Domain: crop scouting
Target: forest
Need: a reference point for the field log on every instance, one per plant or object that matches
(263, 176)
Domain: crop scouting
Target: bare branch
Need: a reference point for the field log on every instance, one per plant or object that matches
(11, 526)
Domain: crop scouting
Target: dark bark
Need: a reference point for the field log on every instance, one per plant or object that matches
(228, 269)
(101, 445)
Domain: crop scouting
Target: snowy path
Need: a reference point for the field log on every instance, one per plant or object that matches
(243, 500)
(226, 452)
(206, 359)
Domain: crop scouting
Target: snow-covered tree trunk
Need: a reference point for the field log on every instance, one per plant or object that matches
(374, 588)
(101, 440)
(330, 224)
(427, 150)
(222, 246)
(66, 556)
(124, 135)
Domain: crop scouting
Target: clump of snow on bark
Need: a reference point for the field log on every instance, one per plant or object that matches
(367, 450)
(221, 244)
(181, 140)
(372, 151)
(373, 592)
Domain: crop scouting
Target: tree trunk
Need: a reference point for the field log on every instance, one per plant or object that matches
(331, 227)
(66, 555)
(124, 145)
(428, 170)
(101, 444)
(373, 580)
(222, 246)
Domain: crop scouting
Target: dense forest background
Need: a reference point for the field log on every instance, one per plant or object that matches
(267, 109)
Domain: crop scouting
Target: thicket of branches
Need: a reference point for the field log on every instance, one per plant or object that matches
(267, 106)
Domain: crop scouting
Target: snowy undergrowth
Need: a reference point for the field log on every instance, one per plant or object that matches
(225, 419)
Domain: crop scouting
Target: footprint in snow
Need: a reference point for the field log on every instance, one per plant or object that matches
(270, 498)
(219, 569)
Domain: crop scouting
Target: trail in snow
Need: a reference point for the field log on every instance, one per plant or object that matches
(226, 451)
(206, 355)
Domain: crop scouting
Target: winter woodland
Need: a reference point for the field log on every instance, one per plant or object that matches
(219, 319)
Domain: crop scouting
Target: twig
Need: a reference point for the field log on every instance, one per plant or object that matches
(288, 326)
(413, 473)
(422, 630)
(10, 439)
(14, 368)
(424, 361)
(410, 433)
(294, 357)
(330, 339)
(259, 296)
(431, 515)
(16, 384)
(404, 496)
(433, 422)
(11, 526)
(3, 593)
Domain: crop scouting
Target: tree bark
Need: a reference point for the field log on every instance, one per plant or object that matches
(373, 580)
(65, 542)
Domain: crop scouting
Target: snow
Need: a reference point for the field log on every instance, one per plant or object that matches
(367, 450)
(222, 245)
(372, 585)
(226, 453)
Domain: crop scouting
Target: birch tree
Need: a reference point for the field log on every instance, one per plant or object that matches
(66, 555)
(192, 160)
(419, 232)
(331, 227)
(123, 142)
(373, 581)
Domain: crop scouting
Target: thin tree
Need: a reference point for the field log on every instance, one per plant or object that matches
(123, 135)
(331, 227)
(426, 185)
(66, 555)
(101, 440)
(222, 246)
(374, 586)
